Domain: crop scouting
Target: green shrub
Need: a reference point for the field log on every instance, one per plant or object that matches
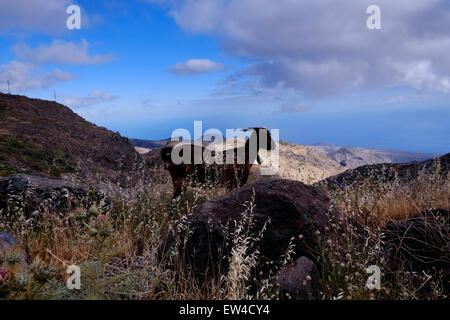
(35, 156)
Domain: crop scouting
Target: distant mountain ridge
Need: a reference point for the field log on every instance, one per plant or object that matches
(353, 157)
(148, 144)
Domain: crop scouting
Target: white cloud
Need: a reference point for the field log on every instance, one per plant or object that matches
(324, 47)
(420, 75)
(27, 76)
(195, 66)
(60, 51)
(94, 97)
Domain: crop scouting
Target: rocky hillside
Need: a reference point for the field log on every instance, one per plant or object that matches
(46, 138)
(353, 157)
(298, 162)
(404, 172)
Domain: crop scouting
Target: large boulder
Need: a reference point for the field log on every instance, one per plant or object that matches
(420, 243)
(294, 213)
(28, 193)
(299, 280)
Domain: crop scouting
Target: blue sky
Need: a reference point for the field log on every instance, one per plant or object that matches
(145, 68)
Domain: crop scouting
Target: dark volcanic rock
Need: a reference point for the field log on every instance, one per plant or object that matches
(26, 193)
(294, 211)
(438, 215)
(299, 280)
(418, 244)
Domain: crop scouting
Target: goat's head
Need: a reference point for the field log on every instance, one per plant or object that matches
(266, 143)
(262, 133)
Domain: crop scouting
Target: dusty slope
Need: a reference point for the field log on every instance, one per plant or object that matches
(298, 162)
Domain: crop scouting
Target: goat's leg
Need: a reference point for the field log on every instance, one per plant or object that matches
(177, 187)
(245, 174)
(230, 177)
(200, 173)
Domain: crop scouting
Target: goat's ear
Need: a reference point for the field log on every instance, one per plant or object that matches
(257, 128)
(259, 160)
(250, 129)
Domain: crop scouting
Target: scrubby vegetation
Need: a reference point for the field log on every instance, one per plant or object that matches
(3, 109)
(117, 249)
(34, 156)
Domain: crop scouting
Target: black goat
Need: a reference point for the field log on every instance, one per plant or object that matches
(233, 172)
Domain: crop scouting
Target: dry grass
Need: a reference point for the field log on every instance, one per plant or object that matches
(117, 249)
(376, 199)
(373, 202)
